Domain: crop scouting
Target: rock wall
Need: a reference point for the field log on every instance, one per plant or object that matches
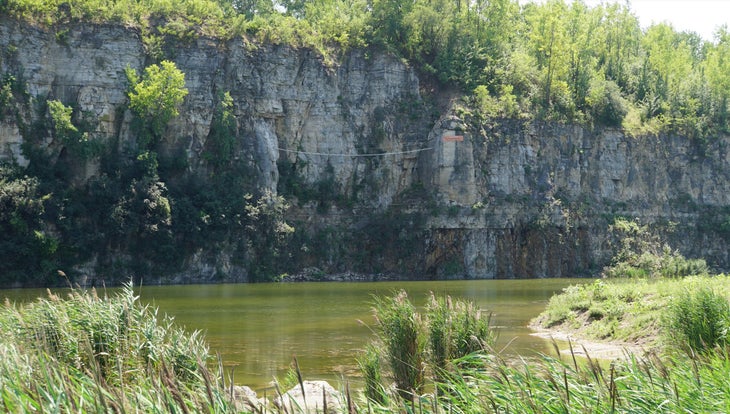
(544, 194)
(414, 191)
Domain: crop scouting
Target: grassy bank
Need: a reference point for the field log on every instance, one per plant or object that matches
(633, 311)
(86, 353)
(691, 315)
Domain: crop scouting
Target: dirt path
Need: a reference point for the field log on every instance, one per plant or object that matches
(594, 349)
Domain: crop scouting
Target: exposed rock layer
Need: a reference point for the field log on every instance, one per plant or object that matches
(449, 197)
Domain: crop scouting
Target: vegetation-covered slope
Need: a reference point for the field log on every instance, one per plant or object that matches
(555, 60)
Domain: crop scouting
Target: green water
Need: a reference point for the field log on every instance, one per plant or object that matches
(258, 328)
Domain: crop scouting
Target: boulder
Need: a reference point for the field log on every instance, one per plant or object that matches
(247, 400)
(318, 397)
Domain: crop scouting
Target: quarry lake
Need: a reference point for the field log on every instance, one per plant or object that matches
(258, 328)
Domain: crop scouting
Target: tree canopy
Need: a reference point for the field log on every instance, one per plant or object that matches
(554, 60)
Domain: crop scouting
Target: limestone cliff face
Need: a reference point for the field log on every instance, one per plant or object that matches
(545, 194)
(411, 191)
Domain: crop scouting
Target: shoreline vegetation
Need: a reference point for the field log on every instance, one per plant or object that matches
(86, 353)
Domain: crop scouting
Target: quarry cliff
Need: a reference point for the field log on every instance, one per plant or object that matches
(383, 173)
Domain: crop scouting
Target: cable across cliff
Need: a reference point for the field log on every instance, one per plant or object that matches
(374, 154)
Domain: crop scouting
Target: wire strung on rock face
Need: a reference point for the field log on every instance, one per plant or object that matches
(375, 154)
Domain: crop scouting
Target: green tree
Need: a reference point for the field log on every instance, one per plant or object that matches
(387, 22)
(156, 97)
(717, 69)
(549, 44)
(267, 232)
(27, 253)
(581, 29)
(342, 22)
(252, 8)
(61, 117)
(618, 44)
(669, 60)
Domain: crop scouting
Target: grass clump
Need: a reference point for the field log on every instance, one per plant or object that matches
(699, 320)
(400, 329)
(456, 329)
(416, 344)
(369, 364)
(86, 353)
(651, 382)
(648, 383)
(637, 384)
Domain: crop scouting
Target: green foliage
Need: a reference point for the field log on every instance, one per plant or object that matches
(400, 329)
(73, 138)
(28, 253)
(339, 22)
(13, 94)
(221, 144)
(437, 340)
(61, 118)
(556, 60)
(156, 96)
(637, 310)
(698, 320)
(456, 329)
(640, 254)
(112, 354)
(369, 364)
(6, 95)
(606, 104)
(503, 106)
(635, 384)
(267, 232)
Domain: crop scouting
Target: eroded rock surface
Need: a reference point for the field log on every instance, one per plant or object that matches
(410, 190)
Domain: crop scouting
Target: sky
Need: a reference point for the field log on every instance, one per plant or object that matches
(701, 16)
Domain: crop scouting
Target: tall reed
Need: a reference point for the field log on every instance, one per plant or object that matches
(400, 329)
(416, 344)
(636, 384)
(698, 320)
(369, 364)
(87, 353)
(456, 329)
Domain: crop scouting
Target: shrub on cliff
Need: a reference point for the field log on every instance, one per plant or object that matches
(641, 253)
(25, 248)
(155, 98)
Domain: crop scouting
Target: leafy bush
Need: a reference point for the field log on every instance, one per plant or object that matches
(607, 105)
(28, 254)
(156, 96)
(640, 253)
